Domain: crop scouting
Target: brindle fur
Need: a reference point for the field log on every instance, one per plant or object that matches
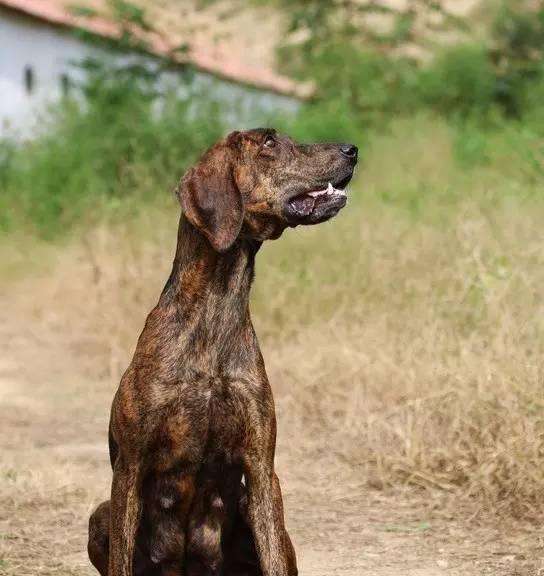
(193, 419)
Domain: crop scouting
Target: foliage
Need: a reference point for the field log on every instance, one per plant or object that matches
(370, 23)
(120, 136)
(123, 139)
(362, 82)
(518, 53)
(119, 143)
(371, 69)
(133, 25)
(461, 81)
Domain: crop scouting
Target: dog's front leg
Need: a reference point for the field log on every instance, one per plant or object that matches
(124, 517)
(265, 514)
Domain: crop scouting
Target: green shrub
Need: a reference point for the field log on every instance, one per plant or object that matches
(327, 120)
(120, 143)
(518, 53)
(361, 68)
(460, 81)
(361, 83)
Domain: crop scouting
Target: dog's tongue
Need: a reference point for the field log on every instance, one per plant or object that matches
(303, 204)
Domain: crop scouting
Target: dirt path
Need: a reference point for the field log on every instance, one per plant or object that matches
(55, 469)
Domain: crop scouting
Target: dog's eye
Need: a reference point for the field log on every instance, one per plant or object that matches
(270, 143)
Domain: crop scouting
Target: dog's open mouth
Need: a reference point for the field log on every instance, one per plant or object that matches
(319, 205)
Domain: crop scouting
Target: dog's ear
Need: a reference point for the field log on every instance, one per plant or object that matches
(210, 198)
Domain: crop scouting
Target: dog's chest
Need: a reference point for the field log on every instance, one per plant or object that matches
(210, 419)
(229, 419)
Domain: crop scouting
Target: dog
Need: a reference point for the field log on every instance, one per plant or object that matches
(192, 429)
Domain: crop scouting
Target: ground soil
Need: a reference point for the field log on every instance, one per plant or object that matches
(55, 469)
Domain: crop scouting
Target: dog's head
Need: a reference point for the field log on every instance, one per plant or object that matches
(257, 183)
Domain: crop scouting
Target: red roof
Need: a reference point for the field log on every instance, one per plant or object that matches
(58, 14)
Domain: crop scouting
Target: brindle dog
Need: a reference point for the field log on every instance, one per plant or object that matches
(193, 428)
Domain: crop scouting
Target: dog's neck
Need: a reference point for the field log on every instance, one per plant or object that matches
(207, 296)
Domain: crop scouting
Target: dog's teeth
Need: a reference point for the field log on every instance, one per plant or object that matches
(330, 190)
(317, 193)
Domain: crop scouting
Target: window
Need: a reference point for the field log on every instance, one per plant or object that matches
(29, 79)
(65, 84)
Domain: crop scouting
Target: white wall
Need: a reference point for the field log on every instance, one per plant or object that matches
(51, 52)
(48, 51)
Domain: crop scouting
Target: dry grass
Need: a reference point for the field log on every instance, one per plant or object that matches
(404, 339)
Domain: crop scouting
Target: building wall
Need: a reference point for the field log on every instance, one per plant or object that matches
(37, 59)
(42, 51)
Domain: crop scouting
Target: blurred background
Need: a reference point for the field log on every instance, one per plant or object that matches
(403, 339)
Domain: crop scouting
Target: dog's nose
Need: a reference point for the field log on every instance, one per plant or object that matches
(349, 150)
